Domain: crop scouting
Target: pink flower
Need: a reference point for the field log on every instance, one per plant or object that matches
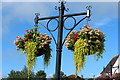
(15, 41)
(37, 37)
(18, 37)
(66, 44)
(87, 26)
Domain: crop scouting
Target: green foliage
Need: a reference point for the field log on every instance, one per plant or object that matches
(115, 76)
(34, 28)
(62, 75)
(20, 74)
(81, 49)
(79, 57)
(34, 44)
(87, 41)
(17, 75)
(30, 48)
(40, 74)
(12, 74)
(47, 56)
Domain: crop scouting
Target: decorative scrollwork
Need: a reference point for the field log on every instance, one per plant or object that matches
(37, 14)
(49, 32)
(66, 9)
(36, 18)
(56, 7)
(47, 26)
(89, 7)
(88, 19)
(73, 25)
(73, 28)
(62, 1)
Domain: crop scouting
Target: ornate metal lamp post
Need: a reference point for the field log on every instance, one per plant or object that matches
(60, 19)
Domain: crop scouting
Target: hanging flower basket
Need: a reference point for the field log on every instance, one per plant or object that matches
(34, 44)
(87, 41)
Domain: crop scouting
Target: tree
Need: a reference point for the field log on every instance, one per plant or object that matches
(12, 74)
(24, 74)
(62, 75)
(20, 74)
(40, 74)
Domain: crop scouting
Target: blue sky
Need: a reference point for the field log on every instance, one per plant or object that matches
(19, 16)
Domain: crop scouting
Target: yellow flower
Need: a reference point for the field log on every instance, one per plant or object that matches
(89, 40)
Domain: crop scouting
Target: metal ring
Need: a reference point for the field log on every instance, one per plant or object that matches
(66, 19)
(48, 25)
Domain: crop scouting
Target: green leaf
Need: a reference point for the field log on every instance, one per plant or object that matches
(34, 28)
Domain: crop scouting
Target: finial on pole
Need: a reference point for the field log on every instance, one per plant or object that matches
(36, 20)
(61, 1)
(88, 11)
(88, 14)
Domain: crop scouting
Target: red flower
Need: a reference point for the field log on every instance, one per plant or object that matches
(99, 39)
(75, 35)
(73, 40)
(87, 25)
(27, 34)
(25, 39)
(27, 30)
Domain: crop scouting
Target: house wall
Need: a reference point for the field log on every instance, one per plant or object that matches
(116, 64)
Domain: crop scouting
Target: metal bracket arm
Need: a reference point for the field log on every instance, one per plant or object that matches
(68, 15)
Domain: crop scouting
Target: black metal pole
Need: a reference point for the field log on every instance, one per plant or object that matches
(59, 41)
(60, 33)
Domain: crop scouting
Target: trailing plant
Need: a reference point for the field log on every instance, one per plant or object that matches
(87, 41)
(79, 57)
(30, 48)
(34, 44)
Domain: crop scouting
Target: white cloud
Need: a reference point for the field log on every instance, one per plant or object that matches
(26, 10)
(102, 13)
(22, 12)
(50, 76)
(102, 22)
(105, 14)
